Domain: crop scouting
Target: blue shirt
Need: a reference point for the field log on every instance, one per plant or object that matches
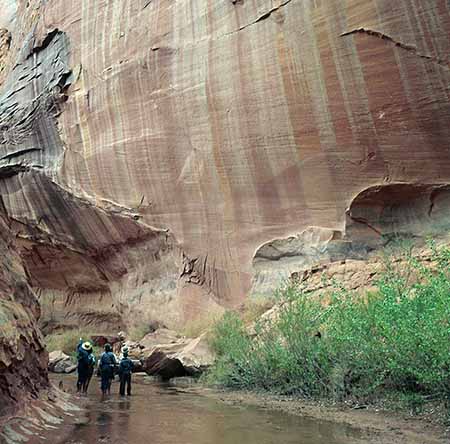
(108, 359)
(126, 366)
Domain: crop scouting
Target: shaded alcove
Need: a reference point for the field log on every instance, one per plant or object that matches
(383, 213)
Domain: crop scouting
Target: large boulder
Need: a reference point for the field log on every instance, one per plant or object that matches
(59, 362)
(197, 356)
(186, 357)
(157, 345)
(162, 336)
(160, 363)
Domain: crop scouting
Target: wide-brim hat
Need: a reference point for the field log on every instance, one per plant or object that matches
(86, 346)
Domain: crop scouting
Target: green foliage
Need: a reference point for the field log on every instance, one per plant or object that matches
(231, 343)
(393, 342)
(67, 342)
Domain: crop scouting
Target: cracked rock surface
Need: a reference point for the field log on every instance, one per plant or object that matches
(160, 160)
(23, 359)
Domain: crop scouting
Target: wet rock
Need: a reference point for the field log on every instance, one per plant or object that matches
(59, 362)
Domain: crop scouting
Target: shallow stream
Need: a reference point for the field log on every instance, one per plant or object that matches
(163, 414)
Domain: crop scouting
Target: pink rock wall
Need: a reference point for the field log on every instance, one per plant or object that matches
(223, 125)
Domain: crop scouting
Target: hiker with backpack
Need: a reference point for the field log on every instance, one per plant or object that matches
(84, 351)
(107, 366)
(125, 370)
(90, 370)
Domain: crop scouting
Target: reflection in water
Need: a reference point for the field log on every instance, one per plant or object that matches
(161, 415)
(124, 404)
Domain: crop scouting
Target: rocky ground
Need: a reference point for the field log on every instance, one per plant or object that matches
(57, 414)
(49, 418)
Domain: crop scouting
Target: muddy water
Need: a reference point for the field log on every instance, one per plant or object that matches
(161, 414)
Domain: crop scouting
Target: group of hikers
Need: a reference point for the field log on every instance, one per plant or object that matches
(108, 366)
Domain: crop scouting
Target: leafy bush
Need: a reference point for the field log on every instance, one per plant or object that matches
(67, 341)
(391, 342)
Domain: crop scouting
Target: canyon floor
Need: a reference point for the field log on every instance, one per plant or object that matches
(162, 413)
(376, 426)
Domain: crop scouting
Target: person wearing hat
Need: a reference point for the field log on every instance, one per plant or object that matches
(91, 366)
(83, 351)
(125, 370)
(107, 366)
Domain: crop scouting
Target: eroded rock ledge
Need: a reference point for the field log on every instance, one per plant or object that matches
(74, 251)
(376, 217)
(23, 359)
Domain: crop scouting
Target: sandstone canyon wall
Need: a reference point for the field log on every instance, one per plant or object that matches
(23, 359)
(162, 158)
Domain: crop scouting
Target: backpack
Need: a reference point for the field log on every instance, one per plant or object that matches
(106, 360)
(82, 357)
(126, 366)
(91, 360)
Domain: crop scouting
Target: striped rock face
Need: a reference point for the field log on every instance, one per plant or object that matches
(160, 159)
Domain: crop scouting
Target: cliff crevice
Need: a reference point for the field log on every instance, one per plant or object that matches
(410, 48)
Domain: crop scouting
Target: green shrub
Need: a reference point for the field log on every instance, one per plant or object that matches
(391, 342)
(67, 341)
(232, 344)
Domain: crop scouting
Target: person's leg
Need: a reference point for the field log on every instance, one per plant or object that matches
(86, 382)
(129, 385)
(104, 384)
(122, 385)
(109, 384)
(81, 379)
